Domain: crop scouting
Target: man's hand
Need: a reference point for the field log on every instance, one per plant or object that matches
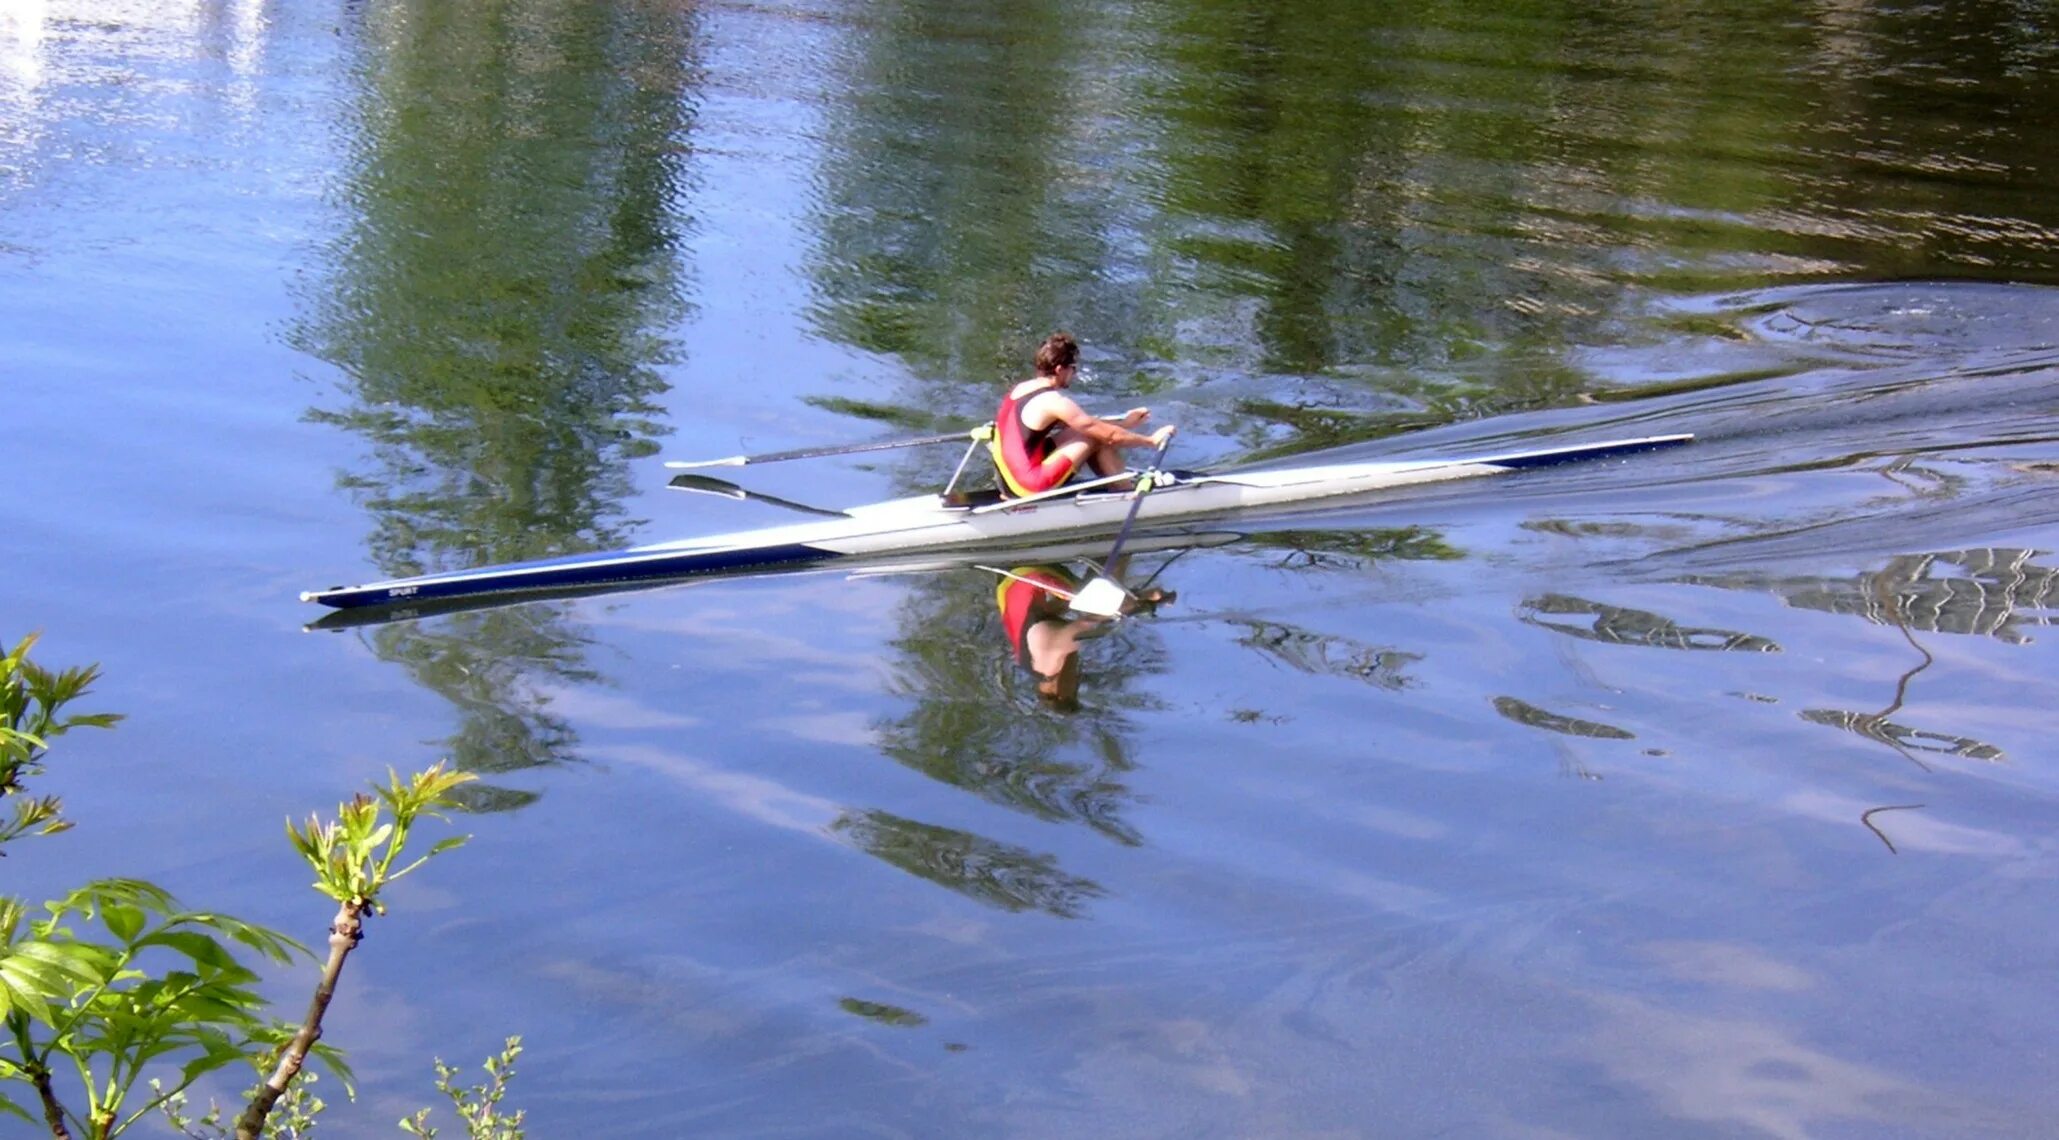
(1159, 437)
(1135, 416)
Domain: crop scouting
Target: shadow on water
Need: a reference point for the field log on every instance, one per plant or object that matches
(509, 258)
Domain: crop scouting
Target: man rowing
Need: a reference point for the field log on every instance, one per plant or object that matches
(1042, 438)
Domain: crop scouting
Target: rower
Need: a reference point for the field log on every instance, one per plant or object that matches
(1042, 438)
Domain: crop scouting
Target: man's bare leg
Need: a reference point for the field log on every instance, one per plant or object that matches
(1083, 451)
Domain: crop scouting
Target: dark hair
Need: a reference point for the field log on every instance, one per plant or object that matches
(1058, 351)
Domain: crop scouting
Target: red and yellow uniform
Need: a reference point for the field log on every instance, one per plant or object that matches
(1026, 460)
(1029, 594)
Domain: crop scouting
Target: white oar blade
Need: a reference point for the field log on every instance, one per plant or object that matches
(683, 464)
(1102, 597)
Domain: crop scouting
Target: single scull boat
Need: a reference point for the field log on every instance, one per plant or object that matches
(933, 523)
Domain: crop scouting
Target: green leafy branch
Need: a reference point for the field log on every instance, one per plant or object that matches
(31, 697)
(479, 1107)
(117, 976)
(353, 857)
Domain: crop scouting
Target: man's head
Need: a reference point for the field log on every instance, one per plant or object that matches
(1058, 351)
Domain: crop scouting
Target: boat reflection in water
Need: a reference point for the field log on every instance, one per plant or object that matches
(1171, 541)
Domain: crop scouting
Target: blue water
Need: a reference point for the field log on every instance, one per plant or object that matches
(1696, 794)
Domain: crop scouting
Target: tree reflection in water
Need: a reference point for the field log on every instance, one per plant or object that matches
(1987, 591)
(981, 869)
(1983, 592)
(1624, 626)
(496, 302)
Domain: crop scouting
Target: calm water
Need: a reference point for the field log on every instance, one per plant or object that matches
(1702, 795)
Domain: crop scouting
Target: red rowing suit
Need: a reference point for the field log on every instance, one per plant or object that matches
(1025, 460)
(1018, 596)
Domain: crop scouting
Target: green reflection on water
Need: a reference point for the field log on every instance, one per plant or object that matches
(1622, 625)
(1523, 712)
(1436, 205)
(498, 301)
(883, 1013)
(985, 870)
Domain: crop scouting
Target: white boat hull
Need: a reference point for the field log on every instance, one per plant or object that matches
(926, 523)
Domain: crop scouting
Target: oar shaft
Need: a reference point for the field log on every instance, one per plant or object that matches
(1104, 596)
(1144, 486)
(974, 433)
(813, 452)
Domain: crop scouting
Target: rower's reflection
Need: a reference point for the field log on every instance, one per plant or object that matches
(1043, 632)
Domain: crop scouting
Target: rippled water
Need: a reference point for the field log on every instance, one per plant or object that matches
(1697, 794)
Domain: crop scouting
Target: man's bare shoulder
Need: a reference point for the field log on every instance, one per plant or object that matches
(1052, 405)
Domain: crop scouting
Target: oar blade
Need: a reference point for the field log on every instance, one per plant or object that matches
(684, 464)
(1102, 597)
(708, 485)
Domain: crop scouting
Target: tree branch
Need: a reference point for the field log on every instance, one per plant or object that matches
(344, 935)
(53, 1112)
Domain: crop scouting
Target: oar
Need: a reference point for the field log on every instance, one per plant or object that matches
(976, 432)
(1104, 596)
(709, 485)
(1014, 577)
(815, 452)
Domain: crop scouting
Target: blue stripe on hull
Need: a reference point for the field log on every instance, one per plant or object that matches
(1581, 454)
(568, 573)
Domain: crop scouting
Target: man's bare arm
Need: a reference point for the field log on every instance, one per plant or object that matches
(1106, 432)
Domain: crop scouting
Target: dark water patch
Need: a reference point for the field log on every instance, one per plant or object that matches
(1622, 625)
(1525, 713)
(1317, 653)
(882, 1013)
(984, 870)
(909, 419)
